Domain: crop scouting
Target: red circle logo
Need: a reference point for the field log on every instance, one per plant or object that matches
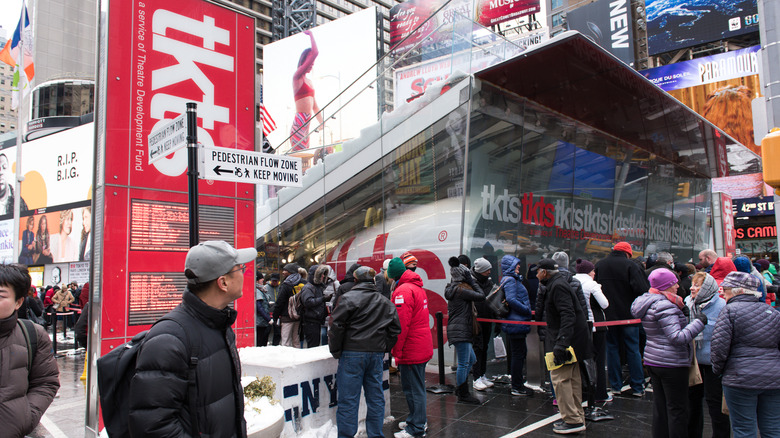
(443, 236)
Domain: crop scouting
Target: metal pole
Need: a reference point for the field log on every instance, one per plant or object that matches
(17, 186)
(192, 169)
(441, 388)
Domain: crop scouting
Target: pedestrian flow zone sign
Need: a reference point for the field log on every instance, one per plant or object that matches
(224, 164)
(168, 139)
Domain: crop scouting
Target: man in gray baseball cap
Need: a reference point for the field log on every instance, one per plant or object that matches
(196, 339)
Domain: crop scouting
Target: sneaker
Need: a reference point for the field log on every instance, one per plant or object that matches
(486, 382)
(638, 394)
(606, 400)
(403, 434)
(479, 385)
(402, 426)
(616, 392)
(559, 423)
(525, 391)
(569, 428)
(598, 414)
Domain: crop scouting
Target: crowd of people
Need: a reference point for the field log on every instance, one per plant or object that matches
(666, 326)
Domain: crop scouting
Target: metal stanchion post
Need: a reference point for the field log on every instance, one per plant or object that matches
(441, 388)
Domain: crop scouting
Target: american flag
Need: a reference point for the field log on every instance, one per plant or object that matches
(268, 122)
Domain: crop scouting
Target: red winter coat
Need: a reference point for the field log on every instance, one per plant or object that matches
(414, 345)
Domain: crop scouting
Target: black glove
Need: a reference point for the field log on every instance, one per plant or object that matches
(560, 355)
(702, 317)
(686, 311)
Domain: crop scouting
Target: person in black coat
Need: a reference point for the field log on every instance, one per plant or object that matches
(313, 297)
(158, 399)
(293, 282)
(481, 273)
(567, 326)
(461, 293)
(622, 281)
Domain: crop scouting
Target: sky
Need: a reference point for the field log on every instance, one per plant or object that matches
(9, 15)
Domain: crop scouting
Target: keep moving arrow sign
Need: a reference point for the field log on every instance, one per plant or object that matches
(225, 164)
(168, 139)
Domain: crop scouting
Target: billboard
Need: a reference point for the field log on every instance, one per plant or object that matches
(608, 24)
(678, 24)
(60, 235)
(407, 16)
(721, 88)
(411, 81)
(346, 48)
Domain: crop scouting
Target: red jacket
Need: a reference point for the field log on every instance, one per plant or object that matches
(415, 345)
(721, 268)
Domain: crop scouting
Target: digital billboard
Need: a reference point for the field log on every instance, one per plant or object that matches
(608, 24)
(678, 24)
(342, 51)
(721, 88)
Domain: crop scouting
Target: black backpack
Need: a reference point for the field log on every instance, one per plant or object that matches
(115, 371)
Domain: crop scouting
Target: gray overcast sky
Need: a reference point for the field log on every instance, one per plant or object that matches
(9, 15)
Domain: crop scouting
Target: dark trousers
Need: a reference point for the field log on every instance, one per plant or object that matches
(481, 349)
(311, 332)
(413, 385)
(710, 390)
(600, 357)
(670, 402)
(518, 352)
(277, 334)
(261, 335)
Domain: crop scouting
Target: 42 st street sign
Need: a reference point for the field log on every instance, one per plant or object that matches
(224, 164)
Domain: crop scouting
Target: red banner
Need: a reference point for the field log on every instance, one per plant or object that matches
(161, 55)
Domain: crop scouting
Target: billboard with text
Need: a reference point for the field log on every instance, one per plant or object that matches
(609, 24)
(679, 24)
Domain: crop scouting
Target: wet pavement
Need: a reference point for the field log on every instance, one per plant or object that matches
(500, 415)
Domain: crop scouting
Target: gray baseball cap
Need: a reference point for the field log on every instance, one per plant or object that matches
(209, 260)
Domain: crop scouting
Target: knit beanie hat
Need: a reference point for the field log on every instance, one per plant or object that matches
(482, 265)
(292, 268)
(562, 259)
(584, 266)
(364, 274)
(764, 263)
(662, 279)
(396, 268)
(385, 264)
(625, 247)
(742, 264)
(408, 258)
(464, 260)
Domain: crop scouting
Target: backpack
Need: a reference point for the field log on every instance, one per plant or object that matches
(115, 371)
(295, 305)
(31, 339)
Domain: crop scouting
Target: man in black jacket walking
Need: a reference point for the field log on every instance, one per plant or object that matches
(622, 281)
(365, 327)
(198, 328)
(567, 326)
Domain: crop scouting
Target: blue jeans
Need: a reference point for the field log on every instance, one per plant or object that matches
(630, 337)
(413, 384)
(360, 369)
(466, 358)
(519, 351)
(748, 407)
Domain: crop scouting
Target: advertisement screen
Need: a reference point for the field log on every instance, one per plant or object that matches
(678, 24)
(160, 56)
(343, 50)
(56, 236)
(608, 24)
(721, 88)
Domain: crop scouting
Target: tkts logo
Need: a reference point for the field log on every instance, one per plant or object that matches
(507, 208)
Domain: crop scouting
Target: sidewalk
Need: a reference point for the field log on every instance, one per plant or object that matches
(500, 414)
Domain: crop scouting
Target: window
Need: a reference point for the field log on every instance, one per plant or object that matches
(2, 99)
(557, 19)
(557, 4)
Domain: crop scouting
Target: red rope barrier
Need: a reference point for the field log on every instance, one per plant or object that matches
(542, 323)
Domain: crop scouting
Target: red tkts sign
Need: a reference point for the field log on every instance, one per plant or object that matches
(161, 55)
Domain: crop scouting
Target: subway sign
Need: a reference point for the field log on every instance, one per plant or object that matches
(756, 232)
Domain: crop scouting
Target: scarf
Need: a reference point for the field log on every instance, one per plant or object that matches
(707, 291)
(674, 298)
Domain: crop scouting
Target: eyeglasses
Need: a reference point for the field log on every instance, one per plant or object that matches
(241, 268)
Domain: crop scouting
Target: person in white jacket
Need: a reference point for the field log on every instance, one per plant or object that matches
(597, 302)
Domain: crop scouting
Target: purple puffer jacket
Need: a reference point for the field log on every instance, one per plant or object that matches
(668, 337)
(745, 344)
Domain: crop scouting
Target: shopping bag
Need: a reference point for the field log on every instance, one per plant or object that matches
(498, 347)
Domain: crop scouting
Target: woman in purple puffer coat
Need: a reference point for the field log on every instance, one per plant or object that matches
(668, 352)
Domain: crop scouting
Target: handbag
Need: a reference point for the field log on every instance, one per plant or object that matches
(694, 374)
(475, 328)
(496, 301)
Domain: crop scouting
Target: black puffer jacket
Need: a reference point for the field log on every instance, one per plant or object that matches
(460, 293)
(364, 320)
(745, 342)
(158, 391)
(289, 287)
(486, 284)
(567, 323)
(622, 282)
(314, 310)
